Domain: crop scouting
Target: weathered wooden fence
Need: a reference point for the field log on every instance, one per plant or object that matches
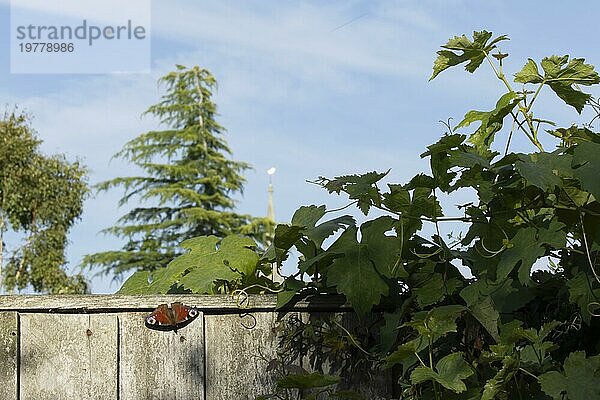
(97, 347)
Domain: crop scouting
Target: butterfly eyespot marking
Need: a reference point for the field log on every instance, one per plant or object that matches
(171, 318)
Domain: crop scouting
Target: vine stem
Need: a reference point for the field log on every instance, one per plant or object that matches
(352, 339)
(433, 220)
(499, 74)
(528, 373)
(420, 359)
(587, 249)
(518, 388)
(243, 298)
(435, 388)
(341, 208)
(520, 124)
(523, 109)
(509, 137)
(535, 95)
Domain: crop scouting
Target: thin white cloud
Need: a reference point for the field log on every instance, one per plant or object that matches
(302, 36)
(407, 14)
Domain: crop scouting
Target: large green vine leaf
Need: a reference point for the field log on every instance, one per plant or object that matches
(582, 293)
(233, 259)
(525, 250)
(208, 260)
(354, 275)
(460, 49)
(383, 250)
(580, 380)
(586, 164)
(308, 216)
(440, 160)
(430, 291)
(561, 74)
(510, 365)
(362, 188)
(545, 170)
(491, 121)
(449, 372)
(529, 73)
(484, 310)
(526, 247)
(436, 322)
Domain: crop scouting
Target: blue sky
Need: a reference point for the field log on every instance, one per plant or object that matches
(313, 88)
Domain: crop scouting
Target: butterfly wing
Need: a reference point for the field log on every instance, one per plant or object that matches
(183, 314)
(166, 318)
(162, 318)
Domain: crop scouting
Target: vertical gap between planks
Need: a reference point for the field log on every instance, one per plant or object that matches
(205, 361)
(18, 355)
(90, 362)
(118, 358)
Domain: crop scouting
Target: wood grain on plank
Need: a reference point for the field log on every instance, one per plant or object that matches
(8, 355)
(121, 303)
(238, 351)
(158, 365)
(68, 356)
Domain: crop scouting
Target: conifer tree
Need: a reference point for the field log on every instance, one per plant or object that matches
(188, 180)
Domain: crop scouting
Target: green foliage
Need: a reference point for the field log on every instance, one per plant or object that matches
(354, 274)
(471, 52)
(210, 266)
(445, 335)
(40, 199)
(491, 121)
(525, 325)
(307, 381)
(560, 74)
(449, 372)
(188, 180)
(580, 380)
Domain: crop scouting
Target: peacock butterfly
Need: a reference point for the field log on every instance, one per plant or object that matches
(166, 318)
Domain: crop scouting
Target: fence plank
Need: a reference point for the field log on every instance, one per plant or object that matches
(160, 365)
(8, 355)
(68, 356)
(122, 303)
(215, 357)
(238, 350)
